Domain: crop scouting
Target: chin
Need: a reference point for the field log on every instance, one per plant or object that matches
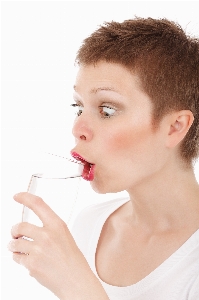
(104, 188)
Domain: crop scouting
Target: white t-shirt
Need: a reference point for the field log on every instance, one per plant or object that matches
(177, 278)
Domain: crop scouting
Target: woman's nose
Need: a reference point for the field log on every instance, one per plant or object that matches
(81, 130)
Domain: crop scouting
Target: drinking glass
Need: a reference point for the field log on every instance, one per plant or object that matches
(59, 189)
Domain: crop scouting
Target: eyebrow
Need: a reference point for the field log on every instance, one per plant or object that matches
(105, 88)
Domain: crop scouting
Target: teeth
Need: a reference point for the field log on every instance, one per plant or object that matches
(81, 159)
(69, 159)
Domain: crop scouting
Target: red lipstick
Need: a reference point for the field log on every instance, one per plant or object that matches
(88, 171)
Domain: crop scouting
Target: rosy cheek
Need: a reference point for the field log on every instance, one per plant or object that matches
(121, 140)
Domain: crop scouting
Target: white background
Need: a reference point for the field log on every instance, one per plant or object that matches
(39, 43)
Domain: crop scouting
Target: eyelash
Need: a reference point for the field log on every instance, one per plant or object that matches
(105, 116)
(75, 105)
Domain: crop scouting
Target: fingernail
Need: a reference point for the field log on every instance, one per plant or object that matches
(15, 196)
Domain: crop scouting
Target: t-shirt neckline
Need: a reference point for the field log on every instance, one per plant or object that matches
(152, 277)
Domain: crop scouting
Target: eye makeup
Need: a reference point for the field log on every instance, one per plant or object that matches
(105, 100)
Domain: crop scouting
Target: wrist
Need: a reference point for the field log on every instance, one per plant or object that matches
(91, 288)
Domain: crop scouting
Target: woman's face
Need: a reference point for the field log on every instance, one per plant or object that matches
(113, 128)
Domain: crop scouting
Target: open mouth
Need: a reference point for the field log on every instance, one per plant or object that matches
(88, 171)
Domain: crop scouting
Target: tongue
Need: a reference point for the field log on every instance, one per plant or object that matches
(88, 171)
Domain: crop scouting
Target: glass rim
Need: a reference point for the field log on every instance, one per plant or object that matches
(46, 176)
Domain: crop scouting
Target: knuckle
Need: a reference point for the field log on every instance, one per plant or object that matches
(46, 238)
(59, 224)
(33, 200)
(31, 273)
(37, 200)
(15, 229)
(21, 226)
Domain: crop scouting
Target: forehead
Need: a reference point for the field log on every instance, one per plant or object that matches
(106, 76)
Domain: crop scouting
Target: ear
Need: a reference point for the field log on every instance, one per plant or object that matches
(179, 124)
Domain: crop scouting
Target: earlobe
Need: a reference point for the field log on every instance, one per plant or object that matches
(180, 122)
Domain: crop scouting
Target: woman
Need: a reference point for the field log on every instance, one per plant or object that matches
(137, 129)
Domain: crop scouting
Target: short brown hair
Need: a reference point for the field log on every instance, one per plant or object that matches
(165, 59)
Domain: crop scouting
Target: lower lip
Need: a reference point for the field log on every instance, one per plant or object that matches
(89, 176)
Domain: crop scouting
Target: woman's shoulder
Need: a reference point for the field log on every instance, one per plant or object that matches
(91, 219)
(94, 211)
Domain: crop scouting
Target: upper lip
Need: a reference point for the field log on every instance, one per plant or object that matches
(80, 158)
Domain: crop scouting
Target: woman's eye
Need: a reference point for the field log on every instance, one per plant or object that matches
(107, 111)
(78, 109)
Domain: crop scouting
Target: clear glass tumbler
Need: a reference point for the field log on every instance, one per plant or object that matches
(58, 189)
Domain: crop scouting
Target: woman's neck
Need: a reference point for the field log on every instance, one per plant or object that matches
(166, 201)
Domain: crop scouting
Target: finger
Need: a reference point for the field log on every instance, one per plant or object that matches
(25, 229)
(20, 258)
(39, 207)
(20, 246)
